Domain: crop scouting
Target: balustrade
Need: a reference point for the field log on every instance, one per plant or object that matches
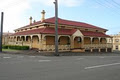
(88, 46)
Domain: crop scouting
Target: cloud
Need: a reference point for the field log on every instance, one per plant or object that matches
(71, 3)
(12, 13)
(15, 9)
(67, 3)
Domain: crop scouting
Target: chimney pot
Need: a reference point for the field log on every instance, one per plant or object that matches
(43, 15)
(30, 20)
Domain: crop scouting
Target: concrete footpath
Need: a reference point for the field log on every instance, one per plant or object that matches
(34, 52)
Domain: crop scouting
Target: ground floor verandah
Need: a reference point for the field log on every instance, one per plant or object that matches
(46, 42)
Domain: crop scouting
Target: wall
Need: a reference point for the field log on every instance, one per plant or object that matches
(35, 42)
(87, 40)
(63, 40)
(50, 40)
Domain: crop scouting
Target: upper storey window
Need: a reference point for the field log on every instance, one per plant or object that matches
(86, 29)
(62, 26)
(36, 26)
(116, 40)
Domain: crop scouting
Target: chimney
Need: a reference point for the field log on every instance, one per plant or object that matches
(43, 15)
(30, 20)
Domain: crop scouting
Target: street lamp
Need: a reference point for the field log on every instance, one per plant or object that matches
(56, 28)
(1, 31)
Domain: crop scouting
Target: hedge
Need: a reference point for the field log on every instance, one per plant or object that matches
(15, 47)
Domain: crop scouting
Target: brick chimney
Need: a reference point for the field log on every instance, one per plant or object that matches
(43, 15)
(30, 20)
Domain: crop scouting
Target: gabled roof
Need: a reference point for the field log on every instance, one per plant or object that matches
(94, 34)
(47, 30)
(65, 22)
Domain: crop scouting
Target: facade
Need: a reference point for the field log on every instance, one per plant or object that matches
(116, 42)
(72, 36)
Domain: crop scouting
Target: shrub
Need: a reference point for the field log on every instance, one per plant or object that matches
(5, 46)
(15, 47)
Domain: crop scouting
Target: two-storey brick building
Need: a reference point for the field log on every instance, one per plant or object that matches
(73, 36)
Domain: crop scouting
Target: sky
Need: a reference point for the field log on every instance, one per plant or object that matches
(102, 13)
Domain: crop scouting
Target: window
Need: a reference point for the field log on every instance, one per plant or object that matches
(109, 40)
(68, 41)
(62, 26)
(116, 47)
(26, 38)
(59, 41)
(36, 26)
(79, 39)
(96, 30)
(116, 40)
(86, 29)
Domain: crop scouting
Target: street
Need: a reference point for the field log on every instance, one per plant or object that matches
(28, 67)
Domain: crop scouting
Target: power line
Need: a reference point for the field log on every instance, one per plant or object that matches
(114, 5)
(107, 6)
(115, 2)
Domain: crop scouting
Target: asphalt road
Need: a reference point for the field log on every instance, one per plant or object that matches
(28, 67)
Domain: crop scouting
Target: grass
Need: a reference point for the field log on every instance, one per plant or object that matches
(9, 50)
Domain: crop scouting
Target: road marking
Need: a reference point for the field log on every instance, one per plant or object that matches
(6, 57)
(105, 65)
(44, 60)
(20, 56)
(102, 57)
(32, 56)
(79, 58)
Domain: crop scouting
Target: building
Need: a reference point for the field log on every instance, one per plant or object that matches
(5, 38)
(73, 36)
(116, 42)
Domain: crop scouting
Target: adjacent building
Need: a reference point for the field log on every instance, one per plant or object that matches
(73, 36)
(5, 38)
(116, 42)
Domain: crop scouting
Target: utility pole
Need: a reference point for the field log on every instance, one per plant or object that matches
(1, 31)
(56, 28)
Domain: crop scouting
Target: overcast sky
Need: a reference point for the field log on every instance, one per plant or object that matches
(102, 13)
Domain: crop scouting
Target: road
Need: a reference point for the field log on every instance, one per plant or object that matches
(28, 67)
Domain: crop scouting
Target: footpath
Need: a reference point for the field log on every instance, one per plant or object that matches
(34, 52)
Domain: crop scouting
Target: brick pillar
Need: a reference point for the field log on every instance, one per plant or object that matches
(99, 44)
(91, 49)
(106, 50)
(31, 41)
(72, 42)
(40, 42)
